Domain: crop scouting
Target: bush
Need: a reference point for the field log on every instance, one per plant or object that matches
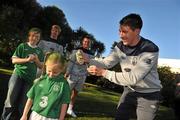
(168, 81)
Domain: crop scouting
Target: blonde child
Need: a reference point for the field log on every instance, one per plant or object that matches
(50, 95)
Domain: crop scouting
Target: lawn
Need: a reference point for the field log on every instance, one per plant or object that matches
(94, 103)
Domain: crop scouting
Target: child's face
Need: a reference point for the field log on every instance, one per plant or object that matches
(34, 38)
(53, 70)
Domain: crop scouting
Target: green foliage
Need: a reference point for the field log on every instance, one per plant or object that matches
(168, 82)
(9, 21)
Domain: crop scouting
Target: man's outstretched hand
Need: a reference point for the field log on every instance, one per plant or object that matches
(93, 70)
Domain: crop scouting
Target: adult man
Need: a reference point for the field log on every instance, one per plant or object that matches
(77, 71)
(138, 59)
(52, 43)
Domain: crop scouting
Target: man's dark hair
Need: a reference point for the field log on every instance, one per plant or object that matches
(132, 20)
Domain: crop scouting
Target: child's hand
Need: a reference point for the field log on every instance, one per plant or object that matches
(23, 117)
(37, 61)
(35, 58)
(31, 58)
(66, 75)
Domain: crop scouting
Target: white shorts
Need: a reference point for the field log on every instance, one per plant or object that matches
(76, 82)
(35, 116)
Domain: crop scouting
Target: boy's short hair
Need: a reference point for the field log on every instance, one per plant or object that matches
(56, 27)
(35, 29)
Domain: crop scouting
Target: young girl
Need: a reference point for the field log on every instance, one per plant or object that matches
(50, 95)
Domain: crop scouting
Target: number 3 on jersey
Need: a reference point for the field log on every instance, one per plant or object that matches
(44, 102)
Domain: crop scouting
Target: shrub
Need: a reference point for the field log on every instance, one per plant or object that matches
(168, 81)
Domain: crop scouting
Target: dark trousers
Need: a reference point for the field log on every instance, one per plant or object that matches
(176, 108)
(144, 105)
(16, 98)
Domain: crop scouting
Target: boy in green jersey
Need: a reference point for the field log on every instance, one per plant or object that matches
(27, 58)
(50, 95)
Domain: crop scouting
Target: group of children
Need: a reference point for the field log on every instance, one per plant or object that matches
(38, 98)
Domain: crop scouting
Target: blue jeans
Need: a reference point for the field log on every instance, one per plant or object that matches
(16, 98)
(144, 105)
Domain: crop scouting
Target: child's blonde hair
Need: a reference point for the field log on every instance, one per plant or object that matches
(53, 58)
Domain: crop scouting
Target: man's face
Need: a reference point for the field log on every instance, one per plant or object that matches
(128, 35)
(86, 43)
(34, 38)
(54, 33)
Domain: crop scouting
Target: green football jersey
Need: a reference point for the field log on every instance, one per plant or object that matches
(48, 95)
(27, 70)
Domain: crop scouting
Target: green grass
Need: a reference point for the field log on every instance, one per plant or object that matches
(95, 103)
(5, 71)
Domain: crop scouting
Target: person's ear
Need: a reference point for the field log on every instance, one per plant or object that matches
(137, 31)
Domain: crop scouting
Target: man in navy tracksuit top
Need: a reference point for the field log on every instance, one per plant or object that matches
(138, 59)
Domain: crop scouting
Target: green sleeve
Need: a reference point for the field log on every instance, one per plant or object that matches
(41, 56)
(31, 92)
(66, 93)
(18, 51)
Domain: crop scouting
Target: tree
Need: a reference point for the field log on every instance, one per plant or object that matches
(10, 34)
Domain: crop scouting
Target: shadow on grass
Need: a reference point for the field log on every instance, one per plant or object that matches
(94, 106)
